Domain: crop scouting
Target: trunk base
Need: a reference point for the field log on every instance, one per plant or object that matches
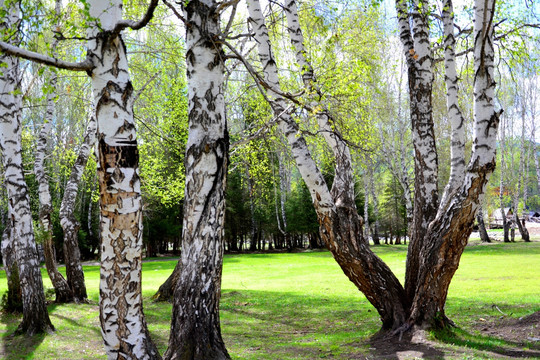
(194, 351)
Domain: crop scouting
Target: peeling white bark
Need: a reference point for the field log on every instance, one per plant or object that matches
(61, 287)
(124, 328)
(195, 328)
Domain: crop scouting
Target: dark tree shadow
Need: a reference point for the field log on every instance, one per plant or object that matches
(16, 347)
(409, 346)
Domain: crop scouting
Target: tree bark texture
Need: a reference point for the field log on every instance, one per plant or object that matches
(340, 224)
(35, 315)
(166, 290)
(70, 225)
(122, 319)
(448, 234)
(195, 328)
(416, 44)
(14, 299)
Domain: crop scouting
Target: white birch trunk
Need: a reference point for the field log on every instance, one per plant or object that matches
(35, 316)
(522, 178)
(195, 328)
(68, 221)
(417, 50)
(61, 287)
(457, 148)
(366, 206)
(449, 232)
(502, 167)
(123, 324)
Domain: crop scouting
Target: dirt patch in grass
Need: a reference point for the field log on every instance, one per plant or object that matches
(411, 345)
(524, 331)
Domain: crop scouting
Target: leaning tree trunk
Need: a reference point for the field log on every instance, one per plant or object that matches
(166, 290)
(122, 319)
(482, 226)
(340, 224)
(62, 290)
(195, 328)
(417, 51)
(35, 315)
(449, 232)
(68, 221)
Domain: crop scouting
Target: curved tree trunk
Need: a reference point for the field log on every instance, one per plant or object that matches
(69, 223)
(62, 290)
(340, 224)
(123, 325)
(35, 315)
(195, 328)
(61, 287)
(166, 290)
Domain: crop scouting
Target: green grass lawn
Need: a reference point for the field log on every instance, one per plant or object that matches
(301, 306)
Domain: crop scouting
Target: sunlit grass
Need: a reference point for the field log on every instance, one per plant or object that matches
(300, 305)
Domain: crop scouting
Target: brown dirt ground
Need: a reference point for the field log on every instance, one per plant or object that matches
(522, 336)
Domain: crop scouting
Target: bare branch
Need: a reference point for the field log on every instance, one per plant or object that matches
(262, 130)
(85, 65)
(141, 90)
(136, 25)
(175, 12)
(231, 19)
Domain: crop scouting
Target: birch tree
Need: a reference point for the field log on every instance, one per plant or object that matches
(61, 286)
(441, 231)
(448, 234)
(124, 328)
(70, 225)
(195, 328)
(413, 26)
(35, 315)
(340, 224)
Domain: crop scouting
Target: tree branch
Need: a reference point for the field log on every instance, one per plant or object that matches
(85, 65)
(175, 12)
(136, 25)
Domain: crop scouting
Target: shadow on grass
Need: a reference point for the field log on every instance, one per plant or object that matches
(288, 325)
(490, 344)
(403, 348)
(20, 346)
